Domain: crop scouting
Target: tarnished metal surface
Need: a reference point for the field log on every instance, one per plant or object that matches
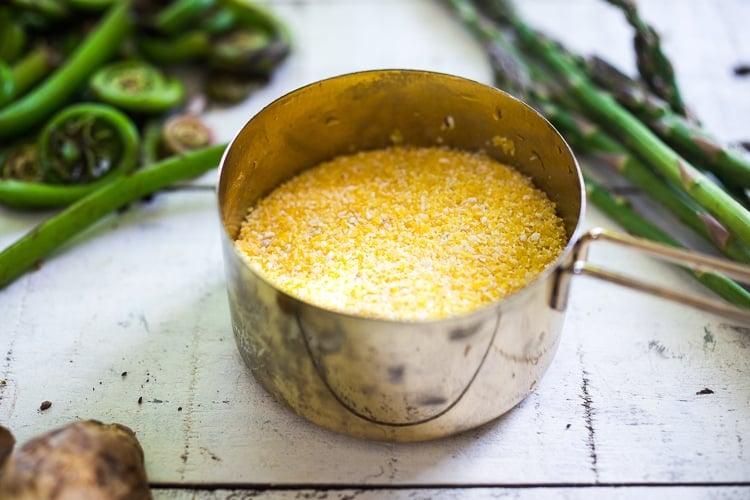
(380, 379)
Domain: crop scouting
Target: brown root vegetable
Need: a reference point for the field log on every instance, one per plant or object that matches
(6, 445)
(84, 459)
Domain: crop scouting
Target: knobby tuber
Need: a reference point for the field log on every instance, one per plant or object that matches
(6, 445)
(84, 459)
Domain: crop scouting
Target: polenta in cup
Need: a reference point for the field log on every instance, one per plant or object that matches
(391, 240)
(403, 233)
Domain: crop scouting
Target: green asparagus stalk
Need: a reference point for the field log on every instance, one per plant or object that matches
(703, 149)
(619, 210)
(586, 137)
(654, 66)
(637, 136)
(609, 149)
(509, 69)
(589, 139)
(684, 135)
(51, 234)
(628, 91)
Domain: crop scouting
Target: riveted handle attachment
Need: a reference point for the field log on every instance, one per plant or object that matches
(580, 265)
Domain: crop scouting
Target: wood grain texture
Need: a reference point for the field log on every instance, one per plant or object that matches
(129, 322)
(536, 493)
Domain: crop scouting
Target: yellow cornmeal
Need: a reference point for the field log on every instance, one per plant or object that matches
(403, 233)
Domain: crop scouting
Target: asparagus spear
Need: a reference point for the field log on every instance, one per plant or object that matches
(596, 140)
(619, 210)
(634, 134)
(654, 66)
(508, 67)
(628, 91)
(687, 137)
(587, 138)
(684, 135)
(51, 234)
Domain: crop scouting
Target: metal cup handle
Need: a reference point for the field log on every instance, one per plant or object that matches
(579, 265)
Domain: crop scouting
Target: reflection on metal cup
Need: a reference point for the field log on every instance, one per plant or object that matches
(383, 379)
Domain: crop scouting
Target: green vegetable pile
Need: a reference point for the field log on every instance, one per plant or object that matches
(638, 129)
(100, 102)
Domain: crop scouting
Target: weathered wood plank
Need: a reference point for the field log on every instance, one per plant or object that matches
(135, 310)
(540, 493)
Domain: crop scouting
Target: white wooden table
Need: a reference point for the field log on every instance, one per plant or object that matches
(136, 310)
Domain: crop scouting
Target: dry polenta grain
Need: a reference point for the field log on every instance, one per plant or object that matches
(403, 233)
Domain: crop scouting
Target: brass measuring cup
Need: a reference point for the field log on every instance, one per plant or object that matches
(409, 380)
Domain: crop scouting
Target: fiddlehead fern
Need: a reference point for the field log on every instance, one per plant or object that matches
(22, 163)
(137, 87)
(85, 142)
(82, 148)
(23, 114)
(185, 133)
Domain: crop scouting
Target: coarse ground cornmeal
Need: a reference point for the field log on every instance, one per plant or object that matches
(403, 233)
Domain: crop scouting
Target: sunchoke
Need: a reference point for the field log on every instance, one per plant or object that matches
(83, 459)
